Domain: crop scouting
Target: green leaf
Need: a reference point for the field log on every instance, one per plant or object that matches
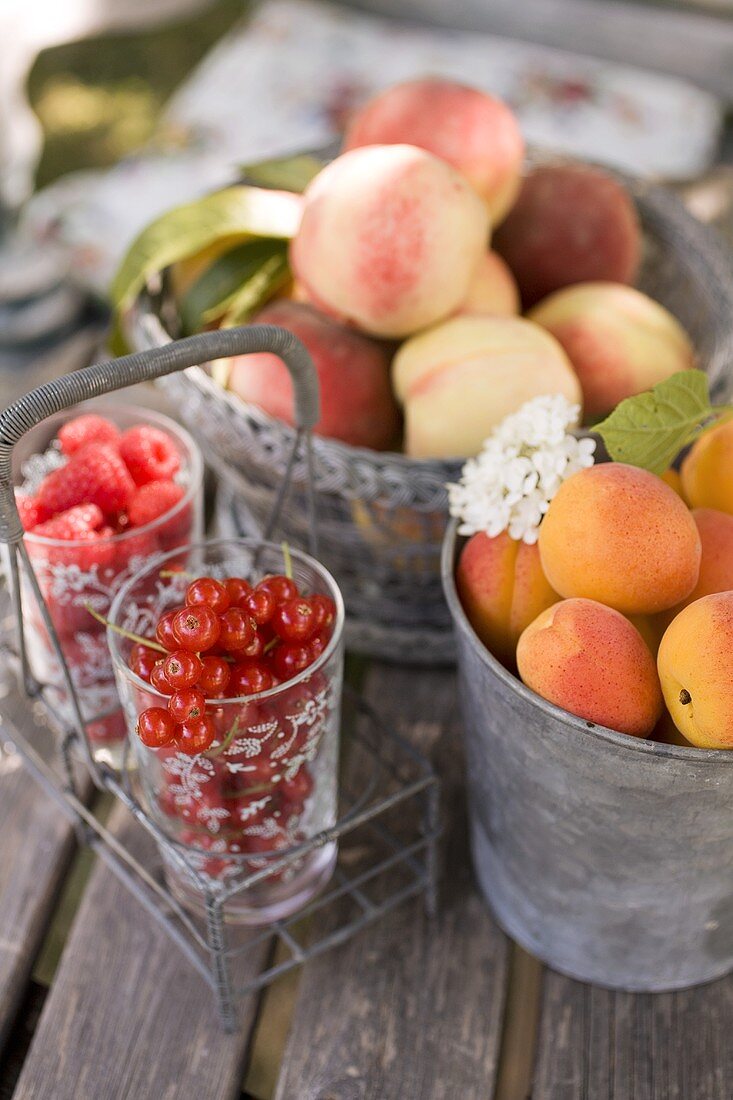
(237, 211)
(650, 430)
(214, 290)
(252, 295)
(287, 173)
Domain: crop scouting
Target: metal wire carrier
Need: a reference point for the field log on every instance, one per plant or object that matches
(388, 823)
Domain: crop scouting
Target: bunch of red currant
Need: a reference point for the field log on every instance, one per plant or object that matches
(230, 639)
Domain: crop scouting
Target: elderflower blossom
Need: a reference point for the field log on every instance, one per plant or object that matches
(523, 463)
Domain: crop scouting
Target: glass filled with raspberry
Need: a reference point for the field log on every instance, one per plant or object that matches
(229, 661)
(100, 489)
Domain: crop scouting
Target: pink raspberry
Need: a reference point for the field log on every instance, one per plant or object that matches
(150, 454)
(89, 428)
(75, 523)
(94, 475)
(30, 511)
(152, 501)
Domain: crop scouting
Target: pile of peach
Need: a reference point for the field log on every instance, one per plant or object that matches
(412, 314)
(625, 603)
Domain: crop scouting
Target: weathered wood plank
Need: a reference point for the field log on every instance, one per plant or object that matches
(37, 845)
(409, 1008)
(127, 1016)
(598, 1044)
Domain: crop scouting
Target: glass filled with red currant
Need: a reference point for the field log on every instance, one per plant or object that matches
(100, 489)
(229, 662)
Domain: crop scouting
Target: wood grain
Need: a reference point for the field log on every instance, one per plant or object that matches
(127, 1016)
(37, 845)
(599, 1045)
(409, 1008)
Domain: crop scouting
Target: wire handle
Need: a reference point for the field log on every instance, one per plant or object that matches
(103, 378)
(144, 366)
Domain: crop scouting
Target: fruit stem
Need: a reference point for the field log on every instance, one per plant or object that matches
(168, 573)
(288, 560)
(125, 633)
(226, 742)
(270, 645)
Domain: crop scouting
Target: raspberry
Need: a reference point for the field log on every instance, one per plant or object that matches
(30, 511)
(94, 475)
(152, 501)
(150, 454)
(88, 428)
(76, 523)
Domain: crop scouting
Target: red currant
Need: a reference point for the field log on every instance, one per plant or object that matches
(196, 735)
(317, 644)
(281, 588)
(236, 629)
(250, 679)
(290, 658)
(294, 620)
(164, 631)
(214, 676)
(159, 680)
(196, 628)
(155, 727)
(142, 660)
(207, 590)
(185, 704)
(238, 589)
(260, 604)
(299, 787)
(182, 669)
(253, 651)
(325, 611)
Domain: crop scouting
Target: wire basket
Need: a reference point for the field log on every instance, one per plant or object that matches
(396, 847)
(382, 516)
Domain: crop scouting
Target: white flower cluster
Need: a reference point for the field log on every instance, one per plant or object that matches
(523, 463)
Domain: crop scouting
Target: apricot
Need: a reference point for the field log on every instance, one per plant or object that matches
(707, 470)
(503, 589)
(459, 379)
(474, 132)
(673, 479)
(694, 669)
(493, 290)
(570, 224)
(590, 660)
(620, 535)
(619, 341)
(389, 239)
(357, 405)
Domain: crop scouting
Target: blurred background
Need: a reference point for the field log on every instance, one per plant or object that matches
(114, 110)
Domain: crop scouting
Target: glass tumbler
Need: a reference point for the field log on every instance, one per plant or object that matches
(76, 575)
(269, 781)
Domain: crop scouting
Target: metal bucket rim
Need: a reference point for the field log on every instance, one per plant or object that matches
(623, 741)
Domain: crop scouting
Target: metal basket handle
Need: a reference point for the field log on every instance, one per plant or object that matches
(103, 378)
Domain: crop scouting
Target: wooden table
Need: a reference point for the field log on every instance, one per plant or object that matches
(97, 1004)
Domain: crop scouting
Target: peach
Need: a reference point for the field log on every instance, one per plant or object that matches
(619, 341)
(590, 660)
(357, 405)
(570, 224)
(389, 239)
(493, 290)
(474, 132)
(694, 669)
(620, 535)
(707, 470)
(502, 589)
(459, 379)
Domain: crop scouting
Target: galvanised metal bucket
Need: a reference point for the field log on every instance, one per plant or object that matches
(607, 856)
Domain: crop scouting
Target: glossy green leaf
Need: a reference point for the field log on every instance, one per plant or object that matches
(287, 173)
(238, 211)
(214, 290)
(272, 276)
(650, 430)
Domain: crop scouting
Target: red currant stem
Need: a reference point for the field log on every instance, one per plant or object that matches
(168, 573)
(288, 560)
(270, 645)
(125, 633)
(226, 742)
